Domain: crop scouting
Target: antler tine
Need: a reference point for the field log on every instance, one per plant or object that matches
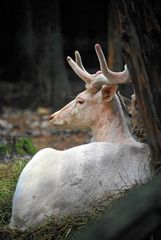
(83, 74)
(78, 60)
(113, 77)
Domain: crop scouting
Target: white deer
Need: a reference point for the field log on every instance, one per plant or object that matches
(55, 183)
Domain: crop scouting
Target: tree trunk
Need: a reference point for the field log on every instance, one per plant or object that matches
(141, 36)
(115, 60)
(41, 59)
(52, 75)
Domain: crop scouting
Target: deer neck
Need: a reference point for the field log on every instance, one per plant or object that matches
(110, 125)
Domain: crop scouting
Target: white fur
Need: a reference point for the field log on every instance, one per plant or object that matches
(55, 183)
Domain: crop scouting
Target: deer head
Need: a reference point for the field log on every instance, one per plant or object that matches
(98, 106)
(81, 112)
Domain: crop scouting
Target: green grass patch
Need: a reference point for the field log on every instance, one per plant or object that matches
(25, 146)
(9, 174)
(18, 146)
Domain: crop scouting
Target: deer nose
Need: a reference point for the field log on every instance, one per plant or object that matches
(51, 117)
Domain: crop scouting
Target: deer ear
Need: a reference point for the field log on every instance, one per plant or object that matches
(108, 92)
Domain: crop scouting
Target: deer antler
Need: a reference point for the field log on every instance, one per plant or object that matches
(83, 74)
(79, 61)
(95, 81)
(113, 77)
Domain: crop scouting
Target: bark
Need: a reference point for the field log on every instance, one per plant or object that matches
(140, 31)
(114, 60)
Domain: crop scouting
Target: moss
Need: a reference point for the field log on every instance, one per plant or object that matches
(24, 145)
(17, 146)
(5, 149)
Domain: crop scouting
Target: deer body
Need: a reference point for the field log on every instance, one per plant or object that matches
(55, 183)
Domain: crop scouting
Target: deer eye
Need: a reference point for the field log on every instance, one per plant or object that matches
(80, 101)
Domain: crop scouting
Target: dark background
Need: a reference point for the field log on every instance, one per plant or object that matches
(36, 37)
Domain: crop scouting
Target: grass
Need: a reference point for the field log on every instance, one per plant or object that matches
(8, 178)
